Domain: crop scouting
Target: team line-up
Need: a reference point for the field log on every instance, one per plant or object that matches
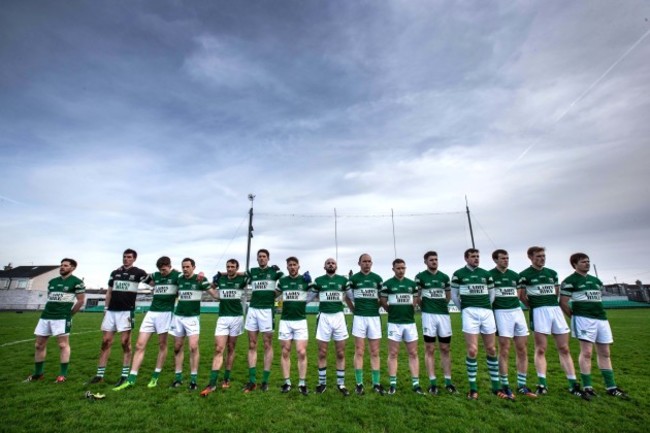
(489, 302)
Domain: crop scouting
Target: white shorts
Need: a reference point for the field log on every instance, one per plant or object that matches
(259, 319)
(548, 320)
(293, 330)
(436, 325)
(231, 326)
(403, 332)
(185, 326)
(366, 327)
(118, 321)
(478, 320)
(157, 322)
(593, 330)
(331, 326)
(511, 322)
(56, 327)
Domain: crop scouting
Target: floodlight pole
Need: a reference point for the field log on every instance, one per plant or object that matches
(469, 220)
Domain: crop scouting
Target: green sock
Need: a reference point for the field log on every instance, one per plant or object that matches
(541, 380)
(38, 368)
(504, 380)
(586, 380)
(358, 375)
(265, 376)
(447, 381)
(392, 380)
(433, 382)
(608, 375)
(193, 377)
(214, 375)
(572, 382)
(178, 376)
(155, 375)
(493, 370)
(252, 372)
(415, 381)
(64, 369)
(375, 377)
(226, 375)
(132, 378)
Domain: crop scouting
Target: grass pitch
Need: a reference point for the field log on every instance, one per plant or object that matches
(46, 407)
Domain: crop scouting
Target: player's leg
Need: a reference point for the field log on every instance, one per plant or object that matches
(605, 365)
(138, 357)
(504, 358)
(104, 354)
(339, 346)
(252, 356)
(125, 341)
(64, 357)
(179, 357)
(161, 358)
(322, 364)
(230, 359)
(471, 363)
(359, 352)
(374, 339)
(268, 358)
(301, 352)
(393, 352)
(521, 362)
(566, 362)
(414, 365)
(489, 342)
(444, 334)
(584, 362)
(220, 342)
(430, 363)
(285, 362)
(40, 352)
(193, 342)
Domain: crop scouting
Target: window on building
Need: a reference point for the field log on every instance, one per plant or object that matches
(21, 284)
(4, 283)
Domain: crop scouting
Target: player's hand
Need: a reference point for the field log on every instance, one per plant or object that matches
(275, 268)
(306, 277)
(216, 278)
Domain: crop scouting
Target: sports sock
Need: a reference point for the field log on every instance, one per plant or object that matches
(226, 375)
(322, 376)
(586, 380)
(392, 380)
(63, 370)
(447, 380)
(521, 379)
(301, 382)
(493, 370)
(133, 376)
(252, 373)
(340, 377)
(101, 371)
(214, 375)
(503, 378)
(125, 370)
(265, 376)
(375, 377)
(608, 375)
(39, 367)
(193, 376)
(541, 380)
(472, 368)
(572, 381)
(156, 374)
(178, 376)
(358, 375)
(433, 381)
(415, 381)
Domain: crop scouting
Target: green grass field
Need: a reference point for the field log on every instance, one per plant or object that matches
(46, 406)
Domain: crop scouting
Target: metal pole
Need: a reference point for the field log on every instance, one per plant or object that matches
(392, 218)
(469, 220)
(244, 301)
(336, 236)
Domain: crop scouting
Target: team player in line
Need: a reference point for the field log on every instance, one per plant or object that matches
(539, 289)
(186, 321)
(294, 289)
(157, 320)
(581, 301)
(230, 324)
(398, 298)
(434, 297)
(119, 315)
(260, 318)
(366, 324)
(511, 324)
(331, 291)
(472, 289)
(65, 296)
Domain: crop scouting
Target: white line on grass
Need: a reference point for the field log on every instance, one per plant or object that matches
(11, 343)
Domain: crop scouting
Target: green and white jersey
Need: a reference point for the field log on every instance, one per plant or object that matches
(433, 291)
(263, 284)
(585, 293)
(540, 286)
(294, 297)
(400, 295)
(330, 290)
(165, 290)
(190, 291)
(505, 289)
(231, 292)
(473, 286)
(365, 291)
(61, 297)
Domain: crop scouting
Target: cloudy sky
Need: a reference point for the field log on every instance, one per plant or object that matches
(146, 124)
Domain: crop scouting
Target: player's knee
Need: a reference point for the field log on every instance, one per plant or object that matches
(472, 352)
